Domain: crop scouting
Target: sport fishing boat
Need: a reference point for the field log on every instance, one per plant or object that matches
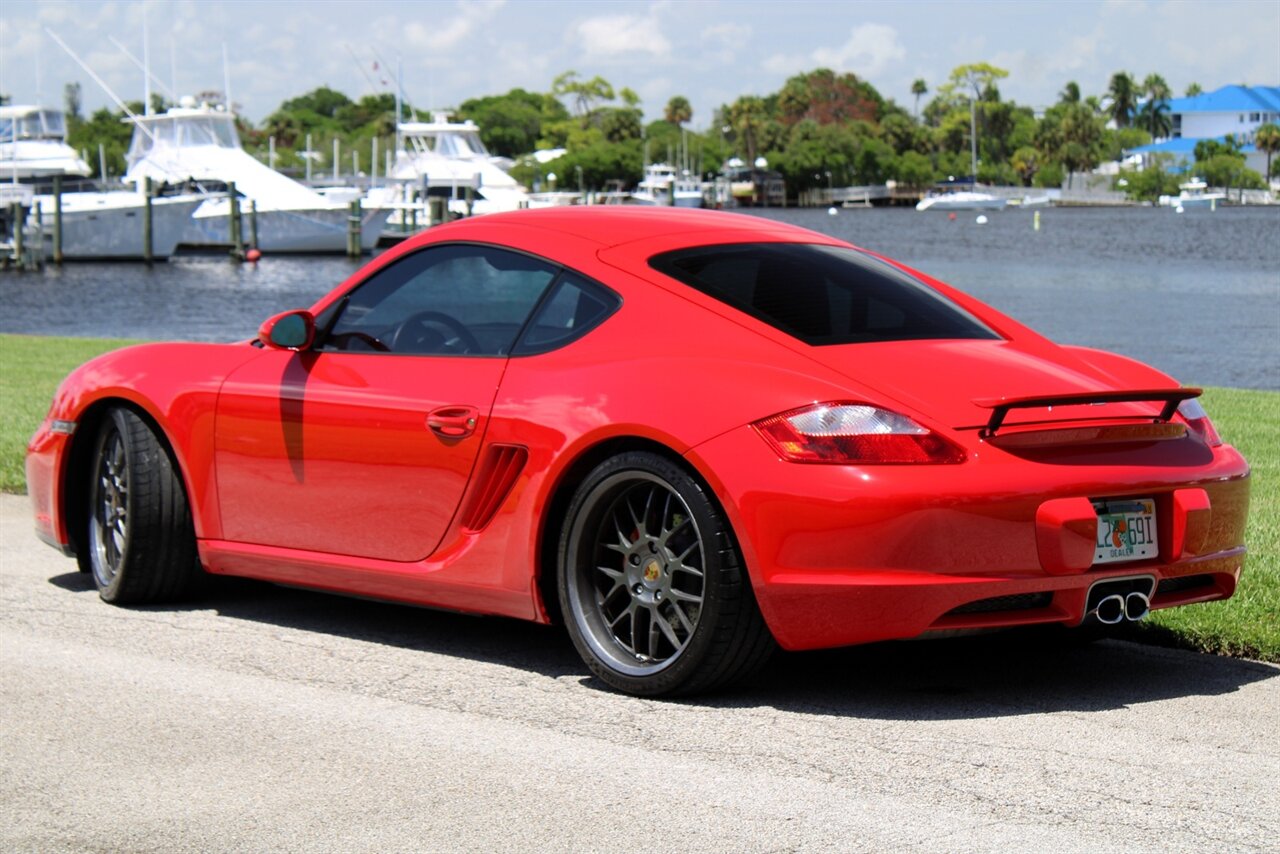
(196, 147)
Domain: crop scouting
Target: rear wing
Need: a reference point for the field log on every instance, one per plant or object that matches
(1000, 407)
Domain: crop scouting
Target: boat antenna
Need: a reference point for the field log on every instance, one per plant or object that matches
(96, 79)
(146, 65)
(156, 80)
(226, 79)
(373, 88)
(400, 93)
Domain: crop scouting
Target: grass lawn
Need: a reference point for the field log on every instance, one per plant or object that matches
(1246, 625)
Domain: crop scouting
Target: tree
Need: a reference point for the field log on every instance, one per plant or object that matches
(1155, 111)
(1122, 97)
(1026, 162)
(827, 97)
(1194, 89)
(1267, 139)
(586, 94)
(747, 117)
(980, 77)
(678, 110)
(71, 97)
(512, 124)
(1070, 93)
(913, 169)
(919, 89)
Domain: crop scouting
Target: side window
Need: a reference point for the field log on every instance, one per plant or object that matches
(573, 309)
(446, 300)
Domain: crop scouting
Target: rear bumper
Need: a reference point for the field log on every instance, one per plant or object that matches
(842, 555)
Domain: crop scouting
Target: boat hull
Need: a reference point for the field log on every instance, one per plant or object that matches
(102, 226)
(303, 231)
(962, 202)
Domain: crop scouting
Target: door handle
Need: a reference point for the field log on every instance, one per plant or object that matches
(453, 422)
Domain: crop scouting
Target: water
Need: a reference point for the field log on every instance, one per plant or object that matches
(1196, 295)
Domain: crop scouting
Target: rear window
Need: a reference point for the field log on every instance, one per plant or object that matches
(821, 294)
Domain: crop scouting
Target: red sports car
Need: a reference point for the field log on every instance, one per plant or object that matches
(687, 435)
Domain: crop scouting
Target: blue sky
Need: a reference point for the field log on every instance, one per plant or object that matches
(710, 51)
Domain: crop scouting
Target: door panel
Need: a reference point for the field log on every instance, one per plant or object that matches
(332, 451)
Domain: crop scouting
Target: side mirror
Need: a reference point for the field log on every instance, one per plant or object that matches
(290, 330)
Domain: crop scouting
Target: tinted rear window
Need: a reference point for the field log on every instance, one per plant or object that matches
(821, 294)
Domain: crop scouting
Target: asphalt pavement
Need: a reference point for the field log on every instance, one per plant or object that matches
(269, 719)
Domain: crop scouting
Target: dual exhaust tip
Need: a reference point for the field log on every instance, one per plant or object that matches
(1119, 607)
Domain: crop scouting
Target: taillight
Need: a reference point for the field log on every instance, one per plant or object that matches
(854, 433)
(1198, 422)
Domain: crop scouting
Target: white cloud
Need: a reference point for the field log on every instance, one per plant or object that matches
(609, 36)
(870, 49)
(456, 30)
(723, 41)
(868, 52)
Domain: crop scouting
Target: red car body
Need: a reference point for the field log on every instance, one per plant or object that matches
(315, 468)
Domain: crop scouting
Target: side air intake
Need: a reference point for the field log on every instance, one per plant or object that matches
(498, 471)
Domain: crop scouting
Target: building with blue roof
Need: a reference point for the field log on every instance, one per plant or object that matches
(1235, 110)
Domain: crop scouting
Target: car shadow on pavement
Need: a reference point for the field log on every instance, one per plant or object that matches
(1002, 674)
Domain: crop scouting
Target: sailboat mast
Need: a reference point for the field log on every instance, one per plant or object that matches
(146, 65)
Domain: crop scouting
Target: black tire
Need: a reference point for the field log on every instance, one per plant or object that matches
(651, 583)
(139, 544)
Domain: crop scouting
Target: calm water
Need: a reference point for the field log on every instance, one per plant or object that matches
(1197, 295)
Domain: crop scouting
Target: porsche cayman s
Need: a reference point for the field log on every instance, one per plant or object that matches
(689, 436)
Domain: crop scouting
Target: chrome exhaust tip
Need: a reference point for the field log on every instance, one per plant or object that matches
(1136, 607)
(1110, 610)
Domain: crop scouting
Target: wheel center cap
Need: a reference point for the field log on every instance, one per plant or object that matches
(652, 570)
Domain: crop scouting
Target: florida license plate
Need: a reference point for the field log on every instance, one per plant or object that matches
(1126, 530)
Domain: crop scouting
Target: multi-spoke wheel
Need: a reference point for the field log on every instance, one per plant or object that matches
(139, 543)
(651, 583)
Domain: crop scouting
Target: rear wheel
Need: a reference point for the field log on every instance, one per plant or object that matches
(651, 582)
(140, 544)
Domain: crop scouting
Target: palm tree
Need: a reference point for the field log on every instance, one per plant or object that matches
(1122, 95)
(1267, 138)
(919, 89)
(1156, 110)
(1194, 89)
(1070, 93)
(678, 110)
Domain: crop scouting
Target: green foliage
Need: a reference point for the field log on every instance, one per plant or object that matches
(110, 130)
(1151, 183)
(1227, 170)
(678, 110)
(512, 124)
(913, 169)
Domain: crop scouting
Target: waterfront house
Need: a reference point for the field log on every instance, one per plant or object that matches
(1235, 110)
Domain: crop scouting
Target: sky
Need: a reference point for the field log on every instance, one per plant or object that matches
(710, 51)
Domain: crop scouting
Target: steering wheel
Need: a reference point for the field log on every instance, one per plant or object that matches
(415, 334)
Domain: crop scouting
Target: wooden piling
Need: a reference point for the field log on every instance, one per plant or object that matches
(19, 229)
(353, 229)
(148, 222)
(439, 209)
(57, 219)
(253, 223)
(233, 224)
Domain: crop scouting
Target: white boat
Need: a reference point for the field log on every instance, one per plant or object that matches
(663, 185)
(199, 146)
(109, 226)
(448, 159)
(33, 145)
(1193, 195)
(961, 200)
(95, 225)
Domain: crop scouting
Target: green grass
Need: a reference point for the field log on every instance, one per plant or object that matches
(30, 370)
(1246, 625)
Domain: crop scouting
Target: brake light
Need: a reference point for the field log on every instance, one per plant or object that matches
(844, 433)
(1198, 422)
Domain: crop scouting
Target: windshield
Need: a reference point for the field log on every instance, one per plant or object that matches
(821, 294)
(186, 132)
(38, 124)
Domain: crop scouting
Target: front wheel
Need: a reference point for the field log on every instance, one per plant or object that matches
(651, 582)
(140, 544)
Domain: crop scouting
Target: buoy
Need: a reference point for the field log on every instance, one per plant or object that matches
(831, 211)
(951, 216)
(981, 220)
(252, 256)
(1178, 209)
(1035, 221)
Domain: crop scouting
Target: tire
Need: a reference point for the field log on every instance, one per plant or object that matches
(651, 583)
(139, 543)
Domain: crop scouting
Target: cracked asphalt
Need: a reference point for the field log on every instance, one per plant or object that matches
(269, 719)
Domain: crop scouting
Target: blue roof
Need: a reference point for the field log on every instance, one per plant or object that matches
(1230, 99)
(1182, 145)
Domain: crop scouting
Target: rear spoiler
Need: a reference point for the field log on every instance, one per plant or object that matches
(1000, 407)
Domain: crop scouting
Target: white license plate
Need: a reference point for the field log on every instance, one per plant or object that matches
(1126, 530)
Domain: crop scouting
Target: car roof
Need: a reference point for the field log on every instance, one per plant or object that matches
(612, 225)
